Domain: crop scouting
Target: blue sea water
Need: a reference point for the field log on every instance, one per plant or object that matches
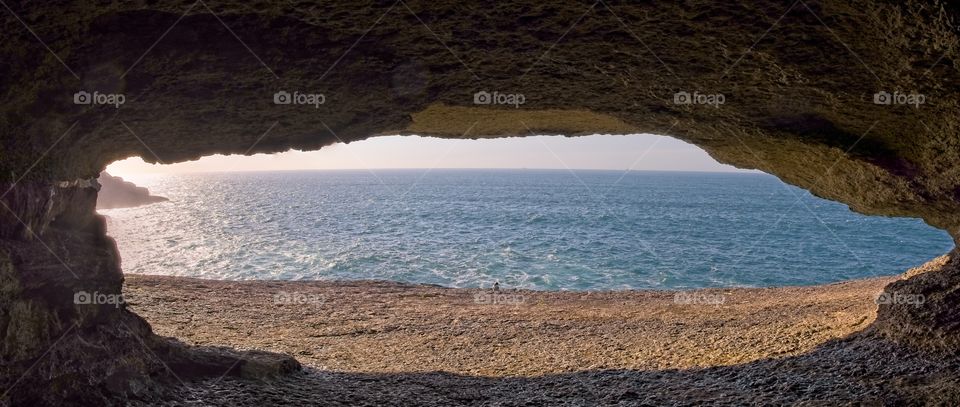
(536, 229)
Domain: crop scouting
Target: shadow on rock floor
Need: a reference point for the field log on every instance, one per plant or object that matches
(860, 370)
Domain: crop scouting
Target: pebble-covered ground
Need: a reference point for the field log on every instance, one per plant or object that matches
(379, 343)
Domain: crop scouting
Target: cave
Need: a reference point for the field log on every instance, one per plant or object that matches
(853, 101)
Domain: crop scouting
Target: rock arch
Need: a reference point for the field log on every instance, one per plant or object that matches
(798, 82)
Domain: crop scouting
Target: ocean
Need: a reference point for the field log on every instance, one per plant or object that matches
(533, 229)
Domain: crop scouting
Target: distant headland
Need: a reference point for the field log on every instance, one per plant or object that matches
(117, 193)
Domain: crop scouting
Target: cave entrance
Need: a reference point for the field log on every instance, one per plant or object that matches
(542, 213)
(565, 254)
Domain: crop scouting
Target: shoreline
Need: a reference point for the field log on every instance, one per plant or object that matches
(891, 277)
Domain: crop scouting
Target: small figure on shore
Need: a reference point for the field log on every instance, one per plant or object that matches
(496, 286)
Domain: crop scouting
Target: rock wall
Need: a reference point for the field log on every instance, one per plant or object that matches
(66, 332)
(57, 265)
(921, 309)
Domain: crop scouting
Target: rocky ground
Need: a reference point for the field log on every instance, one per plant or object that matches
(376, 343)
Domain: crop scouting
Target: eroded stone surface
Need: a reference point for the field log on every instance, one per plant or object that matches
(921, 309)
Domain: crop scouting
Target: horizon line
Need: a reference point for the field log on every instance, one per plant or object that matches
(625, 170)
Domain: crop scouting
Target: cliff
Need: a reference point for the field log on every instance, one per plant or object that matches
(117, 193)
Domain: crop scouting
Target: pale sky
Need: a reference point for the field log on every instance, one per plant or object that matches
(636, 152)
